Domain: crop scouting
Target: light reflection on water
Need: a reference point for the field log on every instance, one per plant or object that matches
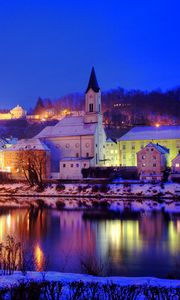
(149, 245)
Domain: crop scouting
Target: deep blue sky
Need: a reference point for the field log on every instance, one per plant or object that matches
(47, 47)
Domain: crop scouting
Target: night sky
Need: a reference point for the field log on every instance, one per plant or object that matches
(47, 47)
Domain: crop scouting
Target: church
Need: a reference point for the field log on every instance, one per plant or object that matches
(77, 142)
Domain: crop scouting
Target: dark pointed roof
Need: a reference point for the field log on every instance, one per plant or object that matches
(93, 84)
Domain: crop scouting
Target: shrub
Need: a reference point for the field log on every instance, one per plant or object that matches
(104, 188)
(92, 266)
(60, 205)
(95, 188)
(60, 187)
(80, 188)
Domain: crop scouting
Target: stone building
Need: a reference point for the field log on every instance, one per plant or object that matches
(152, 162)
(27, 152)
(76, 142)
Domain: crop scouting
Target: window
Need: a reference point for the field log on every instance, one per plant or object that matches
(116, 151)
(77, 165)
(124, 156)
(154, 156)
(87, 154)
(84, 165)
(142, 146)
(177, 165)
(77, 154)
(143, 165)
(71, 165)
(154, 165)
(64, 165)
(152, 149)
(143, 156)
(91, 107)
(112, 151)
(178, 144)
(124, 147)
(133, 146)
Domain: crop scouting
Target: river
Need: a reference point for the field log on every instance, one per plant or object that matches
(144, 245)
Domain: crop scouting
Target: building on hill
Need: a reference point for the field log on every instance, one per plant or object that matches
(152, 162)
(76, 142)
(138, 137)
(30, 153)
(16, 113)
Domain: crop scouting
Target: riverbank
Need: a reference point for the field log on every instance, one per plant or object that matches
(116, 190)
(114, 197)
(81, 286)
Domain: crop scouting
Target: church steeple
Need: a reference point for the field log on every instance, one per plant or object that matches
(93, 84)
(93, 100)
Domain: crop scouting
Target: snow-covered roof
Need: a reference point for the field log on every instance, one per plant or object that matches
(28, 144)
(159, 148)
(110, 140)
(69, 126)
(151, 133)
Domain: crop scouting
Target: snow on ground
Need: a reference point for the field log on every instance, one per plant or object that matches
(70, 277)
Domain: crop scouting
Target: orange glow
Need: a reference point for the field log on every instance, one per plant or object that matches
(157, 125)
(39, 258)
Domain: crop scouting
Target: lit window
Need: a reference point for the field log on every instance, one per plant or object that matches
(177, 165)
(143, 165)
(143, 156)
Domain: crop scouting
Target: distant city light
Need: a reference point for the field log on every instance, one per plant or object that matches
(157, 125)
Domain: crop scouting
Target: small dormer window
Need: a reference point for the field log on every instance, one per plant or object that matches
(91, 107)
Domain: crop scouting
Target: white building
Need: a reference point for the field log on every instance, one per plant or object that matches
(77, 142)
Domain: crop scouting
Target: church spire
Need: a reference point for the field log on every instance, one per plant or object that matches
(93, 84)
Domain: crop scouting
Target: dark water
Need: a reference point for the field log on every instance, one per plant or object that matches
(146, 246)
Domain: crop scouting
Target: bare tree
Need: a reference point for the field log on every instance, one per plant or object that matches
(33, 165)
